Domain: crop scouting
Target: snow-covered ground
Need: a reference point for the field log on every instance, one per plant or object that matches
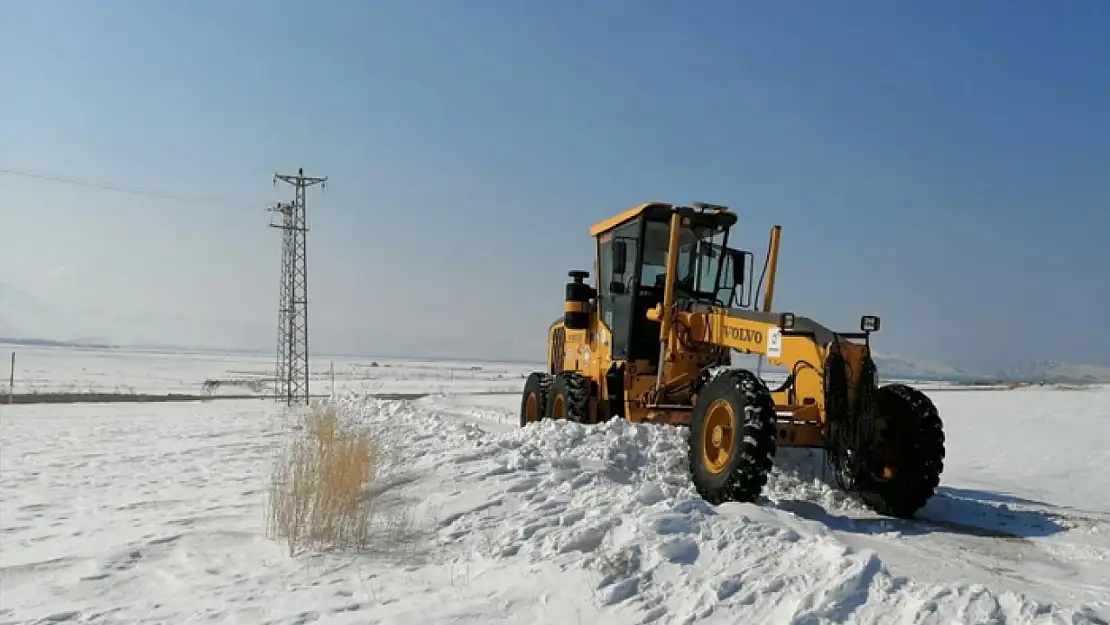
(73, 370)
(126, 513)
(92, 370)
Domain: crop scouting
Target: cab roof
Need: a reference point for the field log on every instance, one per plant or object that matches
(660, 209)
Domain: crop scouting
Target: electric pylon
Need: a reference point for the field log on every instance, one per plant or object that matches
(291, 379)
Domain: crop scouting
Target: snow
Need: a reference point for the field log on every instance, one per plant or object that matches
(123, 513)
(89, 370)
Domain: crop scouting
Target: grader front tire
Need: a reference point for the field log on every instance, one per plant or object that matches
(911, 452)
(732, 438)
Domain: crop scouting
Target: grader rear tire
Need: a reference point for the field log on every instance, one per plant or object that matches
(732, 438)
(569, 398)
(910, 453)
(533, 404)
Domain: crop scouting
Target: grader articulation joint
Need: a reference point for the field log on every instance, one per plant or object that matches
(651, 341)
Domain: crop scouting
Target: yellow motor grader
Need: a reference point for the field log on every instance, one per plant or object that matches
(651, 340)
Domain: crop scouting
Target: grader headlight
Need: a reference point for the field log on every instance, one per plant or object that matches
(786, 321)
(869, 323)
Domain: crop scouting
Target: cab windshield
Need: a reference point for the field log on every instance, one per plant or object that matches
(700, 258)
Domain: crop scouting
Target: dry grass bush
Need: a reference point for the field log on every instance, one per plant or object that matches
(320, 495)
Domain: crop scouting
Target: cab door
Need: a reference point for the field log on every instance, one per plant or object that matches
(617, 254)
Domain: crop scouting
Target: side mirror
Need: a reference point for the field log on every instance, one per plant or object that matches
(616, 287)
(620, 251)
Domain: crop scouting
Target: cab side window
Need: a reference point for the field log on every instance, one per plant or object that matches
(616, 303)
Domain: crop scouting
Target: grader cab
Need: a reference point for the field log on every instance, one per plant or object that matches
(651, 340)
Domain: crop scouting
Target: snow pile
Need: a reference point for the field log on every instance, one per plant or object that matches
(156, 513)
(613, 504)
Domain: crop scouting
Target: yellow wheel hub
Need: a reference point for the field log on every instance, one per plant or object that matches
(883, 444)
(718, 437)
(532, 409)
(558, 407)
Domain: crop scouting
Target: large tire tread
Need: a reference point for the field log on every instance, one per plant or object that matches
(538, 384)
(746, 475)
(922, 453)
(575, 390)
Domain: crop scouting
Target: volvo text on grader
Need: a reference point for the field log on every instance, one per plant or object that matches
(651, 341)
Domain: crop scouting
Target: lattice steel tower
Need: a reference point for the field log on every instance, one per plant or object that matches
(291, 379)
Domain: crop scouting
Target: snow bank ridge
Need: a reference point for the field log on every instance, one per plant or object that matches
(614, 502)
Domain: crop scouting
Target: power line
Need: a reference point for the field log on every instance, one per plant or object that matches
(103, 186)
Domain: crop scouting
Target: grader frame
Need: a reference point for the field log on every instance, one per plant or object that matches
(659, 350)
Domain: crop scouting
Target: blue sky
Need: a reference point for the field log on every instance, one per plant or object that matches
(945, 165)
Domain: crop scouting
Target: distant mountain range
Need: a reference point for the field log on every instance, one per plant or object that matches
(895, 365)
(79, 343)
(87, 344)
(1058, 372)
(1050, 371)
(909, 368)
